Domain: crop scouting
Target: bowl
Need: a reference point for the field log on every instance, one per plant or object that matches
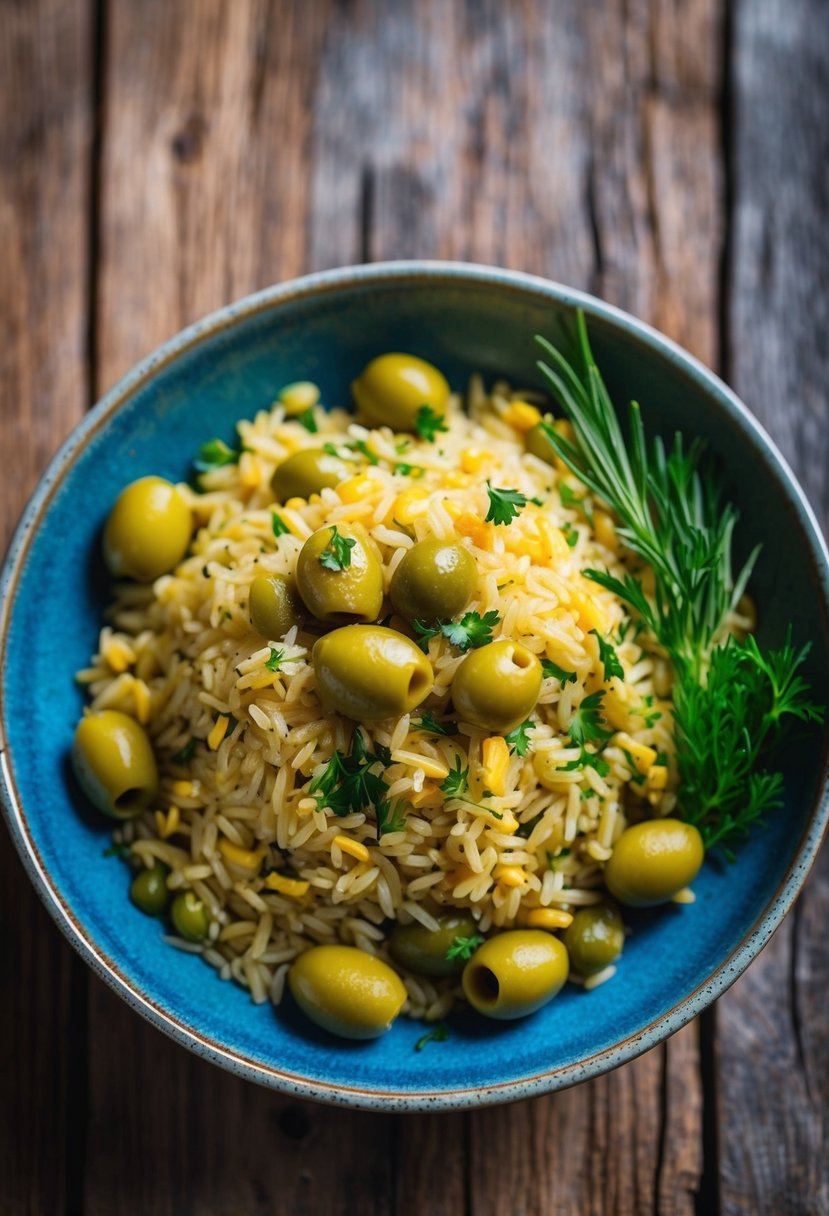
(325, 328)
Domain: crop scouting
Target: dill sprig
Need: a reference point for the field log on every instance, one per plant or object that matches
(729, 697)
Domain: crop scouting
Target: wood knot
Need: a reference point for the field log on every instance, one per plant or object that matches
(294, 1123)
(187, 143)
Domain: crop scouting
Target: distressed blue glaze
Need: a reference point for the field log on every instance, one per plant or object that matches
(324, 328)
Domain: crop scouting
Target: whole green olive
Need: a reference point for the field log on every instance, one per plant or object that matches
(148, 530)
(515, 973)
(273, 606)
(424, 950)
(435, 580)
(652, 861)
(114, 763)
(392, 388)
(348, 592)
(308, 471)
(346, 991)
(537, 441)
(148, 890)
(497, 685)
(189, 917)
(368, 672)
(595, 939)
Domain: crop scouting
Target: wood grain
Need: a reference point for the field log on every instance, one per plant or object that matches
(774, 1034)
(46, 126)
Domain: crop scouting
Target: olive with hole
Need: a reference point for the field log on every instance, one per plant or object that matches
(308, 471)
(346, 991)
(369, 673)
(424, 950)
(114, 762)
(148, 530)
(189, 917)
(595, 939)
(148, 890)
(652, 861)
(434, 581)
(351, 591)
(273, 606)
(515, 973)
(497, 686)
(392, 389)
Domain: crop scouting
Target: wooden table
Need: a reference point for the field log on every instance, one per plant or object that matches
(159, 158)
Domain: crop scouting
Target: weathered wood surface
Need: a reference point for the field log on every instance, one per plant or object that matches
(244, 143)
(45, 136)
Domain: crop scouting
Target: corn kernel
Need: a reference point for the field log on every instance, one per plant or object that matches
(591, 614)
(408, 505)
(495, 754)
(355, 848)
(473, 459)
(548, 918)
(643, 757)
(247, 859)
(143, 701)
(431, 767)
(185, 789)
(250, 470)
(118, 655)
(522, 415)
(355, 488)
(509, 876)
(430, 795)
(218, 732)
(299, 397)
(167, 825)
(294, 888)
(479, 532)
(295, 504)
(657, 777)
(605, 530)
(456, 480)
(508, 824)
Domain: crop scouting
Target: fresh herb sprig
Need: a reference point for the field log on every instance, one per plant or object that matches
(470, 632)
(729, 697)
(504, 504)
(350, 782)
(337, 553)
(464, 947)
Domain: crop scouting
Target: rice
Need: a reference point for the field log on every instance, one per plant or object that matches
(182, 657)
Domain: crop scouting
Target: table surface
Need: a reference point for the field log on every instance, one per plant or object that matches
(159, 158)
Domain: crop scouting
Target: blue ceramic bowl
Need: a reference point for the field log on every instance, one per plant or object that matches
(325, 328)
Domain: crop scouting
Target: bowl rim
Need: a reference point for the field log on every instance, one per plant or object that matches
(305, 287)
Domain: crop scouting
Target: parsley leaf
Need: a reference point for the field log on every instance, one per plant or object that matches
(409, 470)
(428, 423)
(214, 455)
(464, 947)
(552, 671)
(568, 497)
(429, 723)
(571, 535)
(586, 723)
(276, 657)
(438, 1034)
(186, 753)
(518, 739)
(337, 553)
(308, 419)
(348, 782)
(280, 528)
(608, 658)
(360, 445)
(504, 504)
(391, 816)
(470, 632)
(457, 782)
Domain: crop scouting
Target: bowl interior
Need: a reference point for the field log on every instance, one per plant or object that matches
(463, 323)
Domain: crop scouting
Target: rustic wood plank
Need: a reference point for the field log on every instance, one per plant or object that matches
(773, 1031)
(46, 125)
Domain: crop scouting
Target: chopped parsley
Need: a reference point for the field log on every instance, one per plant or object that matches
(518, 739)
(438, 1034)
(214, 454)
(552, 671)
(360, 445)
(504, 504)
(464, 947)
(308, 419)
(337, 553)
(278, 525)
(456, 783)
(276, 656)
(428, 722)
(409, 470)
(608, 658)
(587, 726)
(571, 535)
(349, 782)
(553, 858)
(391, 816)
(186, 753)
(120, 850)
(429, 424)
(569, 498)
(470, 632)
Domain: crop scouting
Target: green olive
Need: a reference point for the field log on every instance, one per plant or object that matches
(148, 890)
(368, 672)
(595, 939)
(392, 388)
(537, 441)
(307, 472)
(114, 763)
(424, 950)
(497, 685)
(515, 973)
(273, 606)
(652, 861)
(346, 991)
(148, 530)
(352, 592)
(434, 580)
(189, 917)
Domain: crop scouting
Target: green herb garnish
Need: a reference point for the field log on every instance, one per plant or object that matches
(278, 525)
(214, 454)
(186, 753)
(504, 504)
(457, 782)
(518, 739)
(337, 553)
(391, 816)
(571, 535)
(470, 632)
(438, 1034)
(428, 424)
(308, 419)
(349, 782)
(274, 661)
(608, 658)
(428, 722)
(552, 671)
(464, 947)
(360, 445)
